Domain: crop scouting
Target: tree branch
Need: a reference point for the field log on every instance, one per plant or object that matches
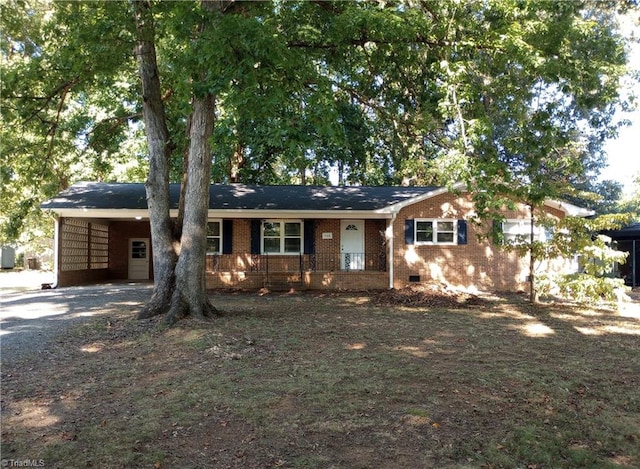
(383, 111)
(328, 6)
(54, 127)
(63, 88)
(365, 39)
(115, 120)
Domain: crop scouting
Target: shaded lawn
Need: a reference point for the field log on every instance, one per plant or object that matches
(318, 381)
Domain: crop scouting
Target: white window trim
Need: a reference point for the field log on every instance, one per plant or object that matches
(282, 236)
(435, 232)
(213, 220)
(539, 231)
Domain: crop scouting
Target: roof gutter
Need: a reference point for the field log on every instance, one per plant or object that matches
(140, 214)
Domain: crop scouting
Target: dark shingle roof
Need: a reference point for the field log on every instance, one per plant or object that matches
(629, 232)
(95, 195)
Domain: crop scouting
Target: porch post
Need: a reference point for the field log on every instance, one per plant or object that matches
(390, 256)
(633, 265)
(57, 251)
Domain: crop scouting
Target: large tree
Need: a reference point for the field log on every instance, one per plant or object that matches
(534, 103)
(179, 245)
(164, 231)
(514, 98)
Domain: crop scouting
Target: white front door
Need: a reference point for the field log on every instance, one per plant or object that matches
(139, 258)
(352, 244)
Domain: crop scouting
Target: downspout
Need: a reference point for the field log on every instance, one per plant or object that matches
(391, 259)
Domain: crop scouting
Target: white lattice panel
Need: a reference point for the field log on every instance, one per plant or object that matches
(84, 245)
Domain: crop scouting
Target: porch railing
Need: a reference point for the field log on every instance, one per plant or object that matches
(298, 263)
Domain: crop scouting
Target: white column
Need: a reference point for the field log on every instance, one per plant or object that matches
(390, 237)
(56, 251)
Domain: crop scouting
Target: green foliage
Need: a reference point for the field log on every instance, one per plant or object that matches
(514, 98)
(585, 288)
(602, 197)
(581, 237)
(537, 110)
(69, 109)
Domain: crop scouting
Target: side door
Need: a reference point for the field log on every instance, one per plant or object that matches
(139, 253)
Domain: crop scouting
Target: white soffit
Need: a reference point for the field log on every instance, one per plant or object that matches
(570, 209)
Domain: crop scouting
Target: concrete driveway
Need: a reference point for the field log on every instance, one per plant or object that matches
(31, 318)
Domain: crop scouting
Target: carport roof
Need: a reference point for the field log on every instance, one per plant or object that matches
(627, 233)
(132, 196)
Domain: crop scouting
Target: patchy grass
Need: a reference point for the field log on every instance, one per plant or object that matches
(317, 381)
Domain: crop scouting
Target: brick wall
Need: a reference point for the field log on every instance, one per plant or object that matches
(83, 277)
(343, 280)
(327, 250)
(478, 264)
(375, 244)
(338, 280)
(241, 236)
(235, 280)
(119, 234)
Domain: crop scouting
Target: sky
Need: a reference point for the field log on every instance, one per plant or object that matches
(624, 152)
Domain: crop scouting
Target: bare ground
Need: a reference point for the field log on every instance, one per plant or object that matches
(18, 280)
(334, 380)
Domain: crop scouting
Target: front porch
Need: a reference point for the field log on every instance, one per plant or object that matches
(323, 270)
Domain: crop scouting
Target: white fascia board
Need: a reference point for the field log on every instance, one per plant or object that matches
(570, 209)
(143, 214)
(395, 209)
(110, 213)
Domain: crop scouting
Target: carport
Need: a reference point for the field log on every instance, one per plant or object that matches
(628, 239)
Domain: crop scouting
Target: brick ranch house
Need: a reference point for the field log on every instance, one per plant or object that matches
(344, 238)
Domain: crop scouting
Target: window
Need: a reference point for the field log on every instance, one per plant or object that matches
(214, 237)
(281, 237)
(436, 231)
(138, 250)
(519, 231)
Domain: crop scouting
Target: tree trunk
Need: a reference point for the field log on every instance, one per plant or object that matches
(179, 268)
(177, 232)
(190, 295)
(157, 185)
(236, 164)
(190, 291)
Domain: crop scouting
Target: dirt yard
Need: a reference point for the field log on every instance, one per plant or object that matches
(334, 381)
(12, 281)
